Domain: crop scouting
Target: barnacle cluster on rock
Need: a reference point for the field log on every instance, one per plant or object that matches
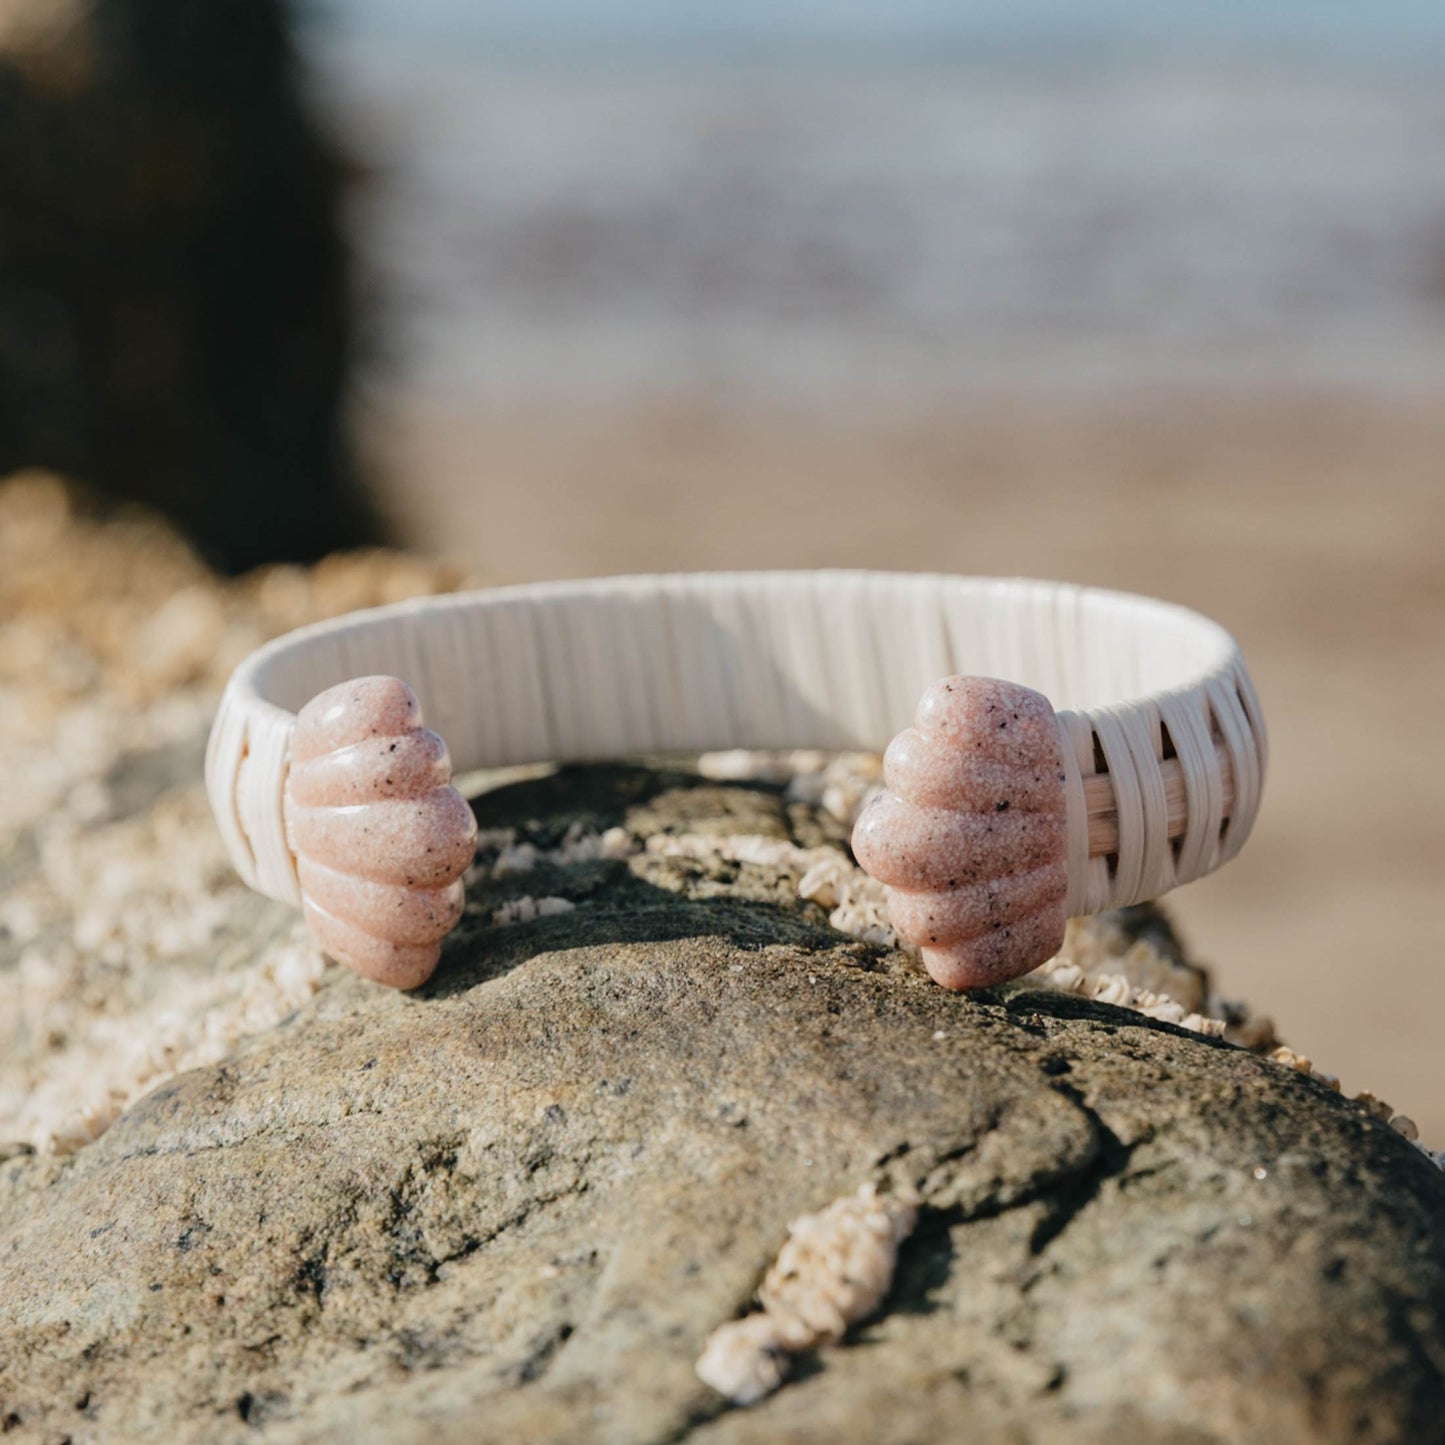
(501, 854)
(833, 1271)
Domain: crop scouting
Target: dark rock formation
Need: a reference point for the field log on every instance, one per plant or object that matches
(175, 308)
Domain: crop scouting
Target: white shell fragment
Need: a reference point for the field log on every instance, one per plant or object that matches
(834, 1270)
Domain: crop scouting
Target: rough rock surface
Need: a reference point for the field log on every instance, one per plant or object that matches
(513, 1205)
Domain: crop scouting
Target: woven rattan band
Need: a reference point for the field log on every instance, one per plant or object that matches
(1165, 741)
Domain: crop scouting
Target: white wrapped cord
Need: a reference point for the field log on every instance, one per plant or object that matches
(587, 670)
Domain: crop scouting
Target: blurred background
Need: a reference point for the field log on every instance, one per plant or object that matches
(1151, 296)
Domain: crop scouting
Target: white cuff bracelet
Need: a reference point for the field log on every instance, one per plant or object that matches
(1074, 750)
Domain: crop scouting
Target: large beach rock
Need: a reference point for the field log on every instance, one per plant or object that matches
(513, 1205)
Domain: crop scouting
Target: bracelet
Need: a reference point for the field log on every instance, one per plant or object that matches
(1075, 749)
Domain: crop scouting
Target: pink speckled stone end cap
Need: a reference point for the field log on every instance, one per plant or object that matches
(381, 838)
(969, 836)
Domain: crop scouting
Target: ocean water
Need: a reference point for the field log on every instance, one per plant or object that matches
(1386, 24)
(809, 199)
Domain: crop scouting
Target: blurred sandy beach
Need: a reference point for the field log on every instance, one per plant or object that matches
(1169, 319)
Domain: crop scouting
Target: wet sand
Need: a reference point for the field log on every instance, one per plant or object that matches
(1312, 525)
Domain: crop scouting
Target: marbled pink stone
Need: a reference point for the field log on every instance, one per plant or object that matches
(969, 836)
(380, 836)
(388, 767)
